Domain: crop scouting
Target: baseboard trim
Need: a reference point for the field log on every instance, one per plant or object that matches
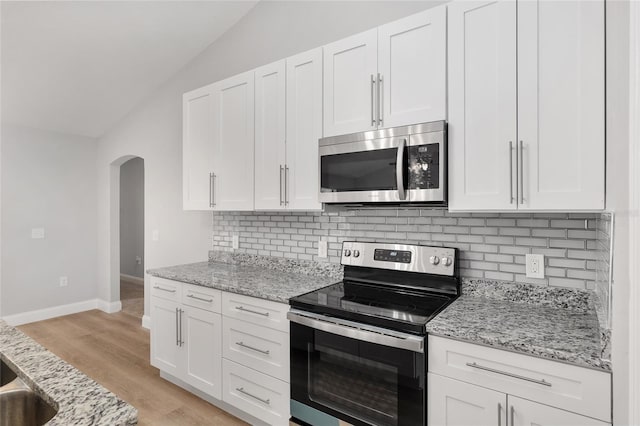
(132, 279)
(146, 322)
(109, 307)
(48, 313)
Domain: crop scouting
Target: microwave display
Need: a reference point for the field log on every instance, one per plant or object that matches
(424, 166)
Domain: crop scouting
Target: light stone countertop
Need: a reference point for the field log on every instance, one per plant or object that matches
(79, 400)
(556, 324)
(249, 280)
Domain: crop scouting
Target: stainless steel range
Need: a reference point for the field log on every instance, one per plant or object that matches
(358, 347)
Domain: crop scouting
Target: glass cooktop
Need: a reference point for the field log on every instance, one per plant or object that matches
(403, 310)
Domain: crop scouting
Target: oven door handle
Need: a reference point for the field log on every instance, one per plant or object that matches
(358, 331)
(400, 169)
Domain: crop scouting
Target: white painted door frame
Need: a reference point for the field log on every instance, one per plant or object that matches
(634, 214)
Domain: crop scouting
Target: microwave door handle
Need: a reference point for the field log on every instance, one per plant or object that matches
(400, 169)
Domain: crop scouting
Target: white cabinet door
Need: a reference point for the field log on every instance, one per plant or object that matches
(202, 338)
(304, 128)
(561, 104)
(270, 136)
(165, 349)
(350, 67)
(523, 412)
(455, 403)
(197, 148)
(482, 105)
(412, 63)
(233, 140)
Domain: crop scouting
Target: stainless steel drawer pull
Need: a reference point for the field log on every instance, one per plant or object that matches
(265, 401)
(242, 308)
(157, 287)
(199, 298)
(252, 348)
(504, 373)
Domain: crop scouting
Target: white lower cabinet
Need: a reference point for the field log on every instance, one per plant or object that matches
(475, 385)
(234, 348)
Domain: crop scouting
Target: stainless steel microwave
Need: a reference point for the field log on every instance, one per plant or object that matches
(398, 165)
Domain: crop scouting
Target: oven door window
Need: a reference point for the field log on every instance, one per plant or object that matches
(354, 385)
(359, 171)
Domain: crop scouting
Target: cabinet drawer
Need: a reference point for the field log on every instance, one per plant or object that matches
(205, 298)
(256, 311)
(257, 347)
(166, 289)
(260, 395)
(572, 388)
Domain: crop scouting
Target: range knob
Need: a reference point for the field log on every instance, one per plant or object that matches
(446, 261)
(347, 253)
(356, 253)
(434, 260)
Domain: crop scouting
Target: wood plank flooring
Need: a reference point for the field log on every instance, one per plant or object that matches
(132, 298)
(113, 349)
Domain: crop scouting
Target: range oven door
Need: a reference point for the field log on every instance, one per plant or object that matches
(361, 377)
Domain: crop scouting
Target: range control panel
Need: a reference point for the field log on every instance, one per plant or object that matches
(400, 257)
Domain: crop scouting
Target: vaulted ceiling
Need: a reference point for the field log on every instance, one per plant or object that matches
(79, 67)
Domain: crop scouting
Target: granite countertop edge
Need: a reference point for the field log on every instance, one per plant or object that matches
(78, 399)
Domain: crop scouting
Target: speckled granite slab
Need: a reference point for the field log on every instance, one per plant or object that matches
(557, 324)
(306, 267)
(78, 399)
(255, 281)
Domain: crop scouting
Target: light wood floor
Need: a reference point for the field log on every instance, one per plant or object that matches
(132, 298)
(113, 349)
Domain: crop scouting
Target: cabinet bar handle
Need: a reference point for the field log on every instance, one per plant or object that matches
(521, 169)
(499, 414)
(504, 373)
(281, 169)
(373, 83)
(157, 287)
(199, 298)
(252, 348)
(510, 172)
(265, 401)
(210, 189)
(286, 185)
(181, 341)
(177, 338)
(242, 308)
(380, 110)
(513, 415)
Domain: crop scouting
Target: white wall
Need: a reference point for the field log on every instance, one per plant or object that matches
(48, 181)
(272, 30)
(618, 197)
(132, 217)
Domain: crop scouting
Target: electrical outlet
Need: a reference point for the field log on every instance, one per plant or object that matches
(37, 233)
(534, 265)
(138, 260)
(322, 248)
(235, 242)
(64, 281)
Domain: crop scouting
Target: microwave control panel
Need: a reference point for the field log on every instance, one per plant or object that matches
(424, 166)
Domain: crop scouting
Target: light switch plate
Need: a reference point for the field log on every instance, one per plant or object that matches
(235, 242)
(322, 248)
(64, 281)
(155, 235)
(37, 233)
(534, 265)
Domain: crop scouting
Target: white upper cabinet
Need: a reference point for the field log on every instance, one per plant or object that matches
(412, 57)
(233, 140)
(350, 73)
(561, 104)
(482, 105)
(547, 152)
(270, 155)
(304, 128)
(197, 148)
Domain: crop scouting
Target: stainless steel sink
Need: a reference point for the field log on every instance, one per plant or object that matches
(24, 408)
(6, 374)
(19, 404)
